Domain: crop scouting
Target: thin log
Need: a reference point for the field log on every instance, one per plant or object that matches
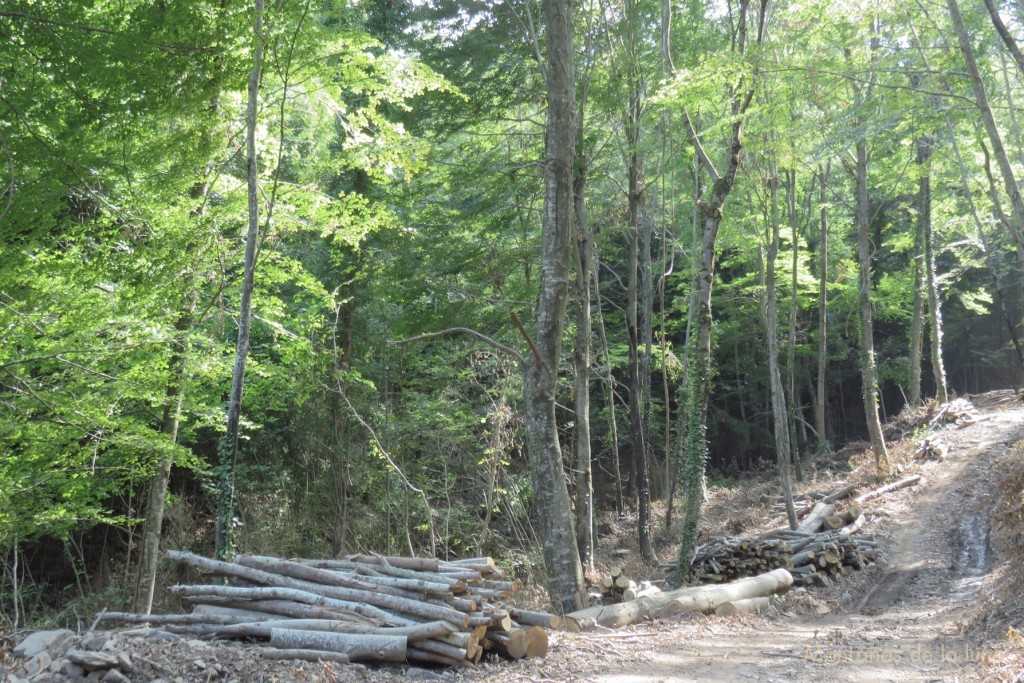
(279, 593)
(542, 619)
(163, 619)
(420, 564)
(304, 572)
(283, 608)
(393, 602)
(358, 647)
(414, 654)
(452, 651)
(842, 493)
(895, 486)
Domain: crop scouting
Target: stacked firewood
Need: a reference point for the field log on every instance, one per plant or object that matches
(361, 608)
(809, 557)
(617, 587)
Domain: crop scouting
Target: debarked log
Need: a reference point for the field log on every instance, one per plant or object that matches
(700, 598)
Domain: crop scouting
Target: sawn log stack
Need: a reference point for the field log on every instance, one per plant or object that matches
(361, 608)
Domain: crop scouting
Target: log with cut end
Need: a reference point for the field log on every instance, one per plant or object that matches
(641, 591)
(817, 518)
(520, 643)
(528, 618)
(703, 598)
(383, 600)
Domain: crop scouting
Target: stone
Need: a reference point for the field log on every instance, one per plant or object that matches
(423, 674)
(115, 676)
(56, 643)
(93, 661)
(39, 663)
(72, 669)
(94, 642)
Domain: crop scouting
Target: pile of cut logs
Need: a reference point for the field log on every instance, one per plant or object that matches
(822, 546)
(810, 557)
(362, 608)
(617, 587)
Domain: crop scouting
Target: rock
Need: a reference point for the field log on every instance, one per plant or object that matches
(115, 676)
(94, 643)
(72, 669)
(423, 674)
(56, 643)
(93, 661)
(39, 663)
(124, 661)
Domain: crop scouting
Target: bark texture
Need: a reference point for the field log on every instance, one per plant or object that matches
(562, 559)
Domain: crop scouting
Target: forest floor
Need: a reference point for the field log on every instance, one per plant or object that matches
(944, 603)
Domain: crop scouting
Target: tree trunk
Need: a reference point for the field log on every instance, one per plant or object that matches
(1004, 34)
(978, 85)
(229, 445)
(794, 309)
(993, 268)
(868, 369)
(561, 557)
(146, 581)
(581, 362)
(695, 447)
(917, 322)
(613, 424)
(636, 389)
(779, 413)
(924, 153)
(820, 403)
(639, 275)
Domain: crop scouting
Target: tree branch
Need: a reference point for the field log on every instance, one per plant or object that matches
(507, 350)
(705, 160)
(533, 347)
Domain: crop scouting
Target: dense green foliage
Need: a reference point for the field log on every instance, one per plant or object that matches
(400, 149)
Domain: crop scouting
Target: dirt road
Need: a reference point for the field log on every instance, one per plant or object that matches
(902, 621)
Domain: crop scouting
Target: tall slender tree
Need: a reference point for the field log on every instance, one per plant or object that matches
(565, 573)
(229, 444)
(695, 447)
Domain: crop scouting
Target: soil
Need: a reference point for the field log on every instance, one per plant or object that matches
(942, 604)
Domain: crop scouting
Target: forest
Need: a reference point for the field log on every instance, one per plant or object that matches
(457, 278)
